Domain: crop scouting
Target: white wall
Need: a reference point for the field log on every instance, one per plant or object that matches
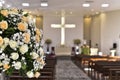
(95, 31)
(110, 30)
(54, 34)
(105, 30)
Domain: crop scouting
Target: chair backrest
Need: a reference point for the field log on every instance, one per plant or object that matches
(73, 51)
(93, 51)
(52, 50)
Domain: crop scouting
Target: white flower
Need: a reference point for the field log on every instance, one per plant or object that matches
(1, 50)
(2, 56)
(23, 58)
(17, 65)
(34, 55)
(37, 44)
(1, 32)
(5, 61)
(24, 49)
(21, 43)
(13, 44)
(30, 74)
(6, 41)
(3, 47)
(14, 56)
(41, 51)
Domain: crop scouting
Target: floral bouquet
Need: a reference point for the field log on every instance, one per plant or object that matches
(20, 43)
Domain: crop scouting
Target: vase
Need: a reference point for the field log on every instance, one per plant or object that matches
(77, 49)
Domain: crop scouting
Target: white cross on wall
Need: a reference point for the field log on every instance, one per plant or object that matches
(63, 26)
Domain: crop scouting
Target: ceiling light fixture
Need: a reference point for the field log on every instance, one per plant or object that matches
(25, 4)
(44, 3)
(105, 5)
(86, 5)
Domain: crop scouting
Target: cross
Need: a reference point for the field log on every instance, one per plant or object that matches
(63, 26)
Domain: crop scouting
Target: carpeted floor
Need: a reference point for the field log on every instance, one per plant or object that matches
(67, 70)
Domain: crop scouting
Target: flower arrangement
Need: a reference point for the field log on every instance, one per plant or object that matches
(20, 43)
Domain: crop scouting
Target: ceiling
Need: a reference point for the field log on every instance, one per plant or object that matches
(69, 6)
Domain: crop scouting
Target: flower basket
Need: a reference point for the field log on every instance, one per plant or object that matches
(20, 43)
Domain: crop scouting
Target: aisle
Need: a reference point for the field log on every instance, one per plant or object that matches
(67, 70)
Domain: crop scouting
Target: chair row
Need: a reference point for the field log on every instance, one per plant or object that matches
(47, 73)
(100, 67)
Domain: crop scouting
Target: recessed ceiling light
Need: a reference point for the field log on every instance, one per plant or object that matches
(25, 4)
(44, 4)
(105, 5)
(86, 5)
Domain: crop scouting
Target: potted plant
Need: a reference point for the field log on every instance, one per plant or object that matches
(48, 42)
(77, 41)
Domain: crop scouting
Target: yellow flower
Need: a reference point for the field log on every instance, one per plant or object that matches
(4, 12)
(37, 31)
(6, 66)
(41, 61)
(3, 25)
(37, 74)
(1, 41)
(26, 37)
(37, 38)
(22, 26)
(15, 10)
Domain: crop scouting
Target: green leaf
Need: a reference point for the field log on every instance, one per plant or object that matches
(23, 66)
(10, 71)
(9, 32)
(2, 17)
